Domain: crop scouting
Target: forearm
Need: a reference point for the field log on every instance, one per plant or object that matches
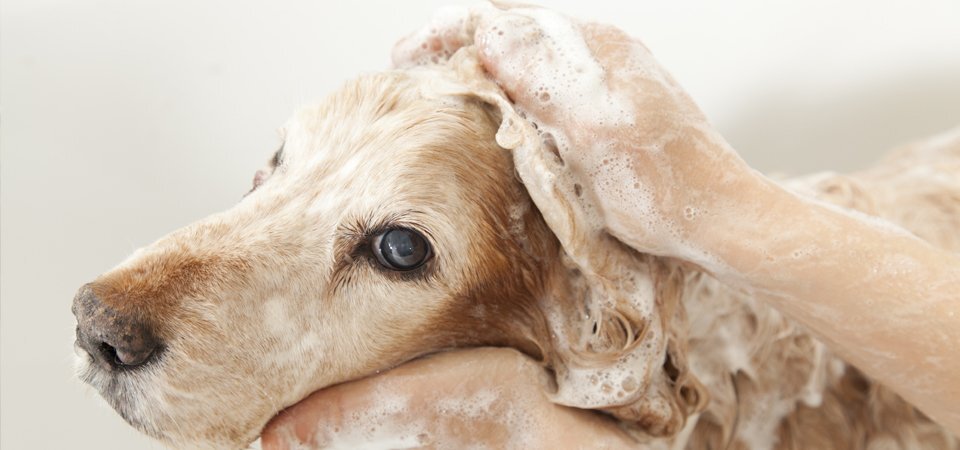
(666, 183)
(884, 300)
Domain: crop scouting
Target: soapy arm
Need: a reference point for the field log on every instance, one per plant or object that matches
(668, 184)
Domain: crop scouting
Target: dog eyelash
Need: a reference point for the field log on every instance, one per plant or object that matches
(261, 176)
(355, 245)
(277, 159)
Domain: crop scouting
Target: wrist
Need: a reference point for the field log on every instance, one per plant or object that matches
(751, 214)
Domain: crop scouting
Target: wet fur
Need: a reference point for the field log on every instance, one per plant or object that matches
(279, 296)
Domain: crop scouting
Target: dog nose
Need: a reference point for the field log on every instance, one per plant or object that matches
(114, 339)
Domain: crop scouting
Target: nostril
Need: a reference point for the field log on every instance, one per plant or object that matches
(114, 338)
(117, 357)
(109, 353)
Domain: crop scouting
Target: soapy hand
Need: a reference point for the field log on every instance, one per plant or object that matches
(665, 182)
(487, 397)
(636, 142)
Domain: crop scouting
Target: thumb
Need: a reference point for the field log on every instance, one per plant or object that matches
(516, 51)
(449, 29)
(543, 62)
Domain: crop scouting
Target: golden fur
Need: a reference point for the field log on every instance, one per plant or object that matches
(279, 296)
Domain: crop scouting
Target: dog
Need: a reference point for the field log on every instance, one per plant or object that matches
(391, 225)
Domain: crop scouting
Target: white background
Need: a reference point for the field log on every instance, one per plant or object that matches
(123, 120)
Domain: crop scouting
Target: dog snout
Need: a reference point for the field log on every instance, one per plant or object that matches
(114, 339)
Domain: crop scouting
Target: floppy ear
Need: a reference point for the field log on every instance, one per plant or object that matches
(617, 329)
(619, 342)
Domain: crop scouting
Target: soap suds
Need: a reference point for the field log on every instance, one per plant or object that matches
(610, 351)
(373, 428)
(735, 335)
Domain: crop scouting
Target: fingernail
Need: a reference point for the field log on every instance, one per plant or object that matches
(273, 439)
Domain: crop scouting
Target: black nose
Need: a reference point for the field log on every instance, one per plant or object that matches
(114, 339)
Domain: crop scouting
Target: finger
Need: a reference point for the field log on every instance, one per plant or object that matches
(632, 70)
(273, 439)
(449, 29)
(295, 427)
(418, 404)
(490, 397)
(540, 58)
(376, 409)
(513, 49)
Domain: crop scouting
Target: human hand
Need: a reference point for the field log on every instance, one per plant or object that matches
(640, 148)
(490, 396)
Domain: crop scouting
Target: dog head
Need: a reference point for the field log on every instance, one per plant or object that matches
(388, 226)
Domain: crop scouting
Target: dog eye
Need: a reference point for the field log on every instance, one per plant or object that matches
(261, 175)
(401, 249)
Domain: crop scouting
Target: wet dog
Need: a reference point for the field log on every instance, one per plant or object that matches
(391, 225)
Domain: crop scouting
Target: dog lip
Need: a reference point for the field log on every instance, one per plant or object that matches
(116, 389)
(81, 352)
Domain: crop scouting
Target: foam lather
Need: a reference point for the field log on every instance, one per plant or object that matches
(615, 345)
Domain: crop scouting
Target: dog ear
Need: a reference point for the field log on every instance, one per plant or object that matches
(617, 330)
(610, 352)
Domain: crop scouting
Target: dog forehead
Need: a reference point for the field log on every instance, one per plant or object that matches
(368, 114)
(389, 138)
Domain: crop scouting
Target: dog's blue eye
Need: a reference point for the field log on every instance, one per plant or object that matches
(401, 249)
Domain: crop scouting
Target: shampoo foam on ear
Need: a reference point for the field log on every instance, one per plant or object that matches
(610, 356)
